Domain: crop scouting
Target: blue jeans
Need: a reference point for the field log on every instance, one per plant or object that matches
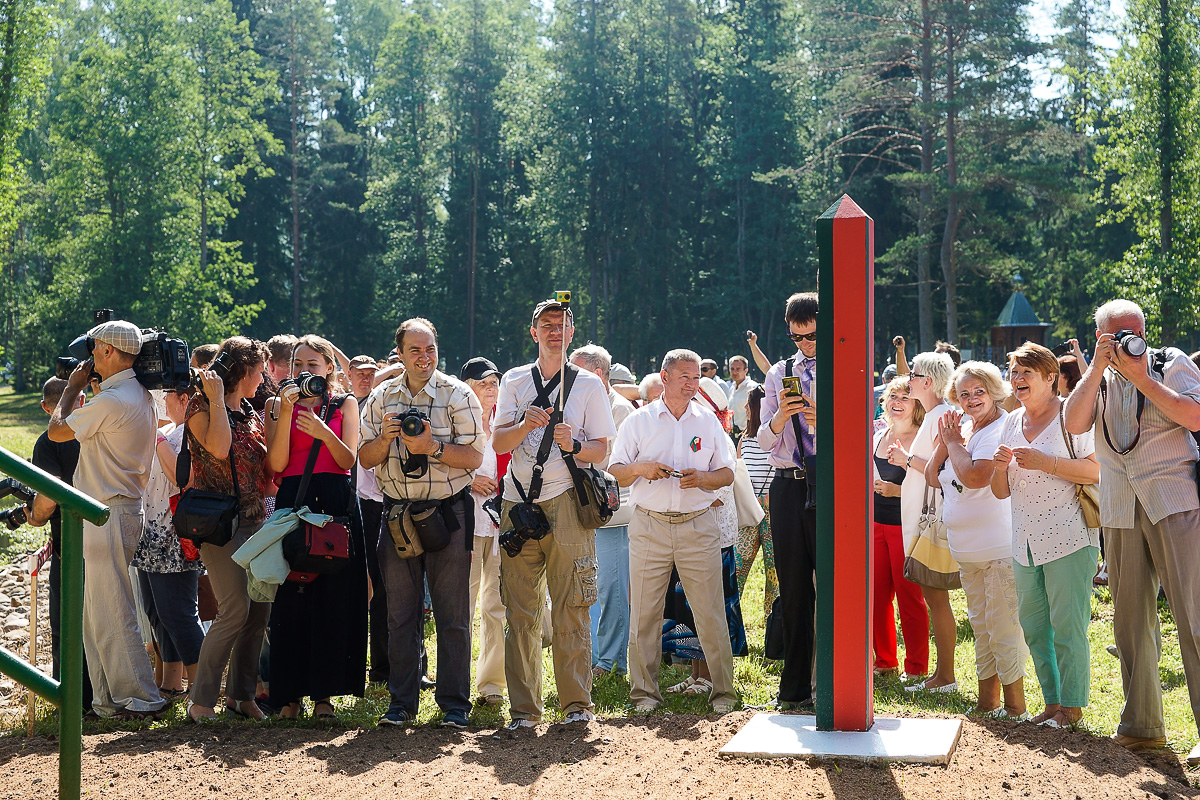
(610, 612)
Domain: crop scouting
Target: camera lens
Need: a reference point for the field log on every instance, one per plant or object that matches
(1133, 344)
(411, 424)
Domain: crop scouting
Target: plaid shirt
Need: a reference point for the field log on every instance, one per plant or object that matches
(455, 417)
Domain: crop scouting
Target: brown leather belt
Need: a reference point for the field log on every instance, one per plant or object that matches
(674, 517)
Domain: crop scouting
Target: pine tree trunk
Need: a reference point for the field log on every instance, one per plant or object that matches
(925, 196)
(1166, 155)
(953, 210)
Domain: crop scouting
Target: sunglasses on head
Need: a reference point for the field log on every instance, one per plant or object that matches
(803, 337)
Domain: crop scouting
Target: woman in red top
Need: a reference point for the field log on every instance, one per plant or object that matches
(318, 629)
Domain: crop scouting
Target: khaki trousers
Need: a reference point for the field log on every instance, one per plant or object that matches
(121, 674)
(694, 548)
(1138, 559)
(485, 593)
(564, 561)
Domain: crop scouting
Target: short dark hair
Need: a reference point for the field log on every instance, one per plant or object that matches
(950, 350)
(801, 308)
(242, 355)
(203, 355)
(409, 324)
(52, 390)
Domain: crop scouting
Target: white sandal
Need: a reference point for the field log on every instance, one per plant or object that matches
(701, 686)
(682, 686)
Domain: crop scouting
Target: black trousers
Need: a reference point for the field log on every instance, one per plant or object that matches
(372, 517)
(794, 535)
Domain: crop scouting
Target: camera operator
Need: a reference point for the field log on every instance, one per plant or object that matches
(451, 440)
(116, 431)
(58, 459)
(565, 557)
(1144, 404)
(788, 435)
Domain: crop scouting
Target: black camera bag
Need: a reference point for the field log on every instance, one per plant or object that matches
(205, 517)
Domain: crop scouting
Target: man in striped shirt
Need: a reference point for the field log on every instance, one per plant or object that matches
(1144, 404)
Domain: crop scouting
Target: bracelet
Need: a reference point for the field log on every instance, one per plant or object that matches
(1054, 469)
(908, 461)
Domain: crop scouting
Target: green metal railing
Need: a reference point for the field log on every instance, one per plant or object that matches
(67, 694)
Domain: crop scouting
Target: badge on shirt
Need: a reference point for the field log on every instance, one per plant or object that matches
(695, 444)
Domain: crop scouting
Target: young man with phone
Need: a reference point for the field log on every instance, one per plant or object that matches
(788, 436)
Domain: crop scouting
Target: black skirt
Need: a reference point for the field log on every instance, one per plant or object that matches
(319, 629)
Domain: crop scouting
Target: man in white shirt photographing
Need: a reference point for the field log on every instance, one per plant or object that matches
(674, 456)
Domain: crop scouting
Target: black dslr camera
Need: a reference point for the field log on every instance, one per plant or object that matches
(529, 522)
(219, 365)
(15, 517)
(1131, 343)
(309, 385)
(163, 363)
(412, 423)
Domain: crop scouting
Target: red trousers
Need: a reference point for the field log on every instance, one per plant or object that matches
(914, 617)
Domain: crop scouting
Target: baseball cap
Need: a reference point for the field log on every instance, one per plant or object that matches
(551, 305)
(619, 373)
(889, 372)
(477, 369)
(125, 336)
(363, 362)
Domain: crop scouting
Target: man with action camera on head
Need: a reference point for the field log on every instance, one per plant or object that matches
(116, 431)
(1143, 404)
(544, 539)
(422, 432)
(788, 436)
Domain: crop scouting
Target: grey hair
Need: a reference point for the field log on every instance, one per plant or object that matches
(593, 357)
(680, 354)
(648, 380)
(1118, 308)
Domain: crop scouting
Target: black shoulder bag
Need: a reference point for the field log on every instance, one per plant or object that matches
(598, 493)
(313, 550)
(205, 517)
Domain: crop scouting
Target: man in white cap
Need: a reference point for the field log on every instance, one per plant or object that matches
(116, 433)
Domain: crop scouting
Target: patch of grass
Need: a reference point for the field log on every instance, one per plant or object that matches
(21, 422)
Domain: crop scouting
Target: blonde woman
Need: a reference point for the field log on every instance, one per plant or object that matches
(979, 529)
(903, 416)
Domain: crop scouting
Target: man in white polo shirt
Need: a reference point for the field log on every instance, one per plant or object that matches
(675, 456)
(116, 430)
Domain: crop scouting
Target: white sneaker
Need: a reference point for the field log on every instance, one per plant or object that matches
(517, 724)
(584, 716)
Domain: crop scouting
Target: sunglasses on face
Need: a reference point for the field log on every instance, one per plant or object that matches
(917, 375)
(803, 337)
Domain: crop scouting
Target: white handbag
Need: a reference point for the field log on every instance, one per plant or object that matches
(749, 510)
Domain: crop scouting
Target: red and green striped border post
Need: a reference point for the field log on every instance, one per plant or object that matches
(845, 326)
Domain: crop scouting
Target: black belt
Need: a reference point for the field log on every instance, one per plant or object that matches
(795, 473)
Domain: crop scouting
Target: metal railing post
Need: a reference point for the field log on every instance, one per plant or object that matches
(70, 715)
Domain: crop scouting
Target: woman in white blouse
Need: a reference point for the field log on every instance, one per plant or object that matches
(1054, 552)
(979, 530)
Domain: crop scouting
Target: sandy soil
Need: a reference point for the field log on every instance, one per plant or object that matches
(659, 756)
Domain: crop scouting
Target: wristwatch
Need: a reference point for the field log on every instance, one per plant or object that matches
(437, 454)
(576, 446)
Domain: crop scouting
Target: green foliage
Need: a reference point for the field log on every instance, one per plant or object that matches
(25, 27)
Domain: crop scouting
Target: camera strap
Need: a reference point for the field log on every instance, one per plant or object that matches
(183, 464)
(542, 400)
(328, 406)
(1158, 363)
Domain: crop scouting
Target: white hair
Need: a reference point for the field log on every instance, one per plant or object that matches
(1118, 308)
(593, 357)
(651, 379)
(938, 367)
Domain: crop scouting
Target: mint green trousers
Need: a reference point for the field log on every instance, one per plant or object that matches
(1055, 607)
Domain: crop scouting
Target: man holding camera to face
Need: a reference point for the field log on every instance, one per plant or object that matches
(542, 534)
(116, 431)
(423, 435)
(1144, 403)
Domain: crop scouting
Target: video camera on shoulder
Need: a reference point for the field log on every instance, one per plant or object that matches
(163, 363)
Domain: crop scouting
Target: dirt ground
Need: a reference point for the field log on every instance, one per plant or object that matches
(657, 756)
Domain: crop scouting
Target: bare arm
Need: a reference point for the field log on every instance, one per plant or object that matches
(59, 430)
(40, 510)
(760, 358)
(934, 465)
(626, 474)
(973, 474)
(279, 431)
(901, 358)
(167, 458)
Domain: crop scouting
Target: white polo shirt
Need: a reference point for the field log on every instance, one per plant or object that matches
(587, 413)
(694, 441)
(116, 430)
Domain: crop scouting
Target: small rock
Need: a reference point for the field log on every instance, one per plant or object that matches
(1006, 784)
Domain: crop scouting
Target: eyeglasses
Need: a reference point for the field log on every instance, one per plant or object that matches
(917, 375)
(803, 337)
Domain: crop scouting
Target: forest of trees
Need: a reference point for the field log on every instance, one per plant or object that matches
(334, 166)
